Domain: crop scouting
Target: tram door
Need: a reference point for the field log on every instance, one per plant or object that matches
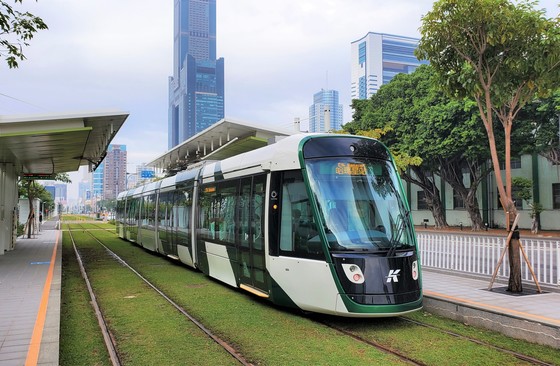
(251, 235)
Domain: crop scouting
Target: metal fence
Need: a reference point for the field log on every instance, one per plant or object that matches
(480, 254)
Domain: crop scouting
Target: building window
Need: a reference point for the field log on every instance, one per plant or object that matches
(362, 53)
(421, 200)
(556, 196)
(515, 163)
(458, 202)
(515, 196)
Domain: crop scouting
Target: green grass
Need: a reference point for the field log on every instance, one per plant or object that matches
(82, 342)
(147, 330)
(265, 334)
(72, 217)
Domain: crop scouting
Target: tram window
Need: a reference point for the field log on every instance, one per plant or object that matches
(149, 212)
(245, 212)
(258, 212)
(181, 216)
(133, 212)
(183, 205)
(163, 209)
(217, 212)
(298, 230)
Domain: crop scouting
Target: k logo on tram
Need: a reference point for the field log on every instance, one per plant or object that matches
(393, 275)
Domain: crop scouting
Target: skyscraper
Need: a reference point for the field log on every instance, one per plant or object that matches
(114, 172)
(324, 111)
(376, 58)
(110, 176)
(196, 89)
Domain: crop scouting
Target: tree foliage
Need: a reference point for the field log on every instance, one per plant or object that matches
(501, 54)
(441, 136)
(32, 190)
(16, 30)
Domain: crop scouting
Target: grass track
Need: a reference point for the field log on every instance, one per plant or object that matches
(270, 336)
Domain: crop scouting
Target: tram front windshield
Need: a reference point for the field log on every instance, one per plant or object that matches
(360, 204)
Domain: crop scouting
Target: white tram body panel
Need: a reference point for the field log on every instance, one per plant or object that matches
(314, 290)
(219, 264)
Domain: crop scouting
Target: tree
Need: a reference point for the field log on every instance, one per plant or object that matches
(500, 54)
(32, 190)
(16, 30)
(540, 120)
(445, 134)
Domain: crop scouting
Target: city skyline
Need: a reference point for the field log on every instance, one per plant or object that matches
(100, 55)
(196, 89)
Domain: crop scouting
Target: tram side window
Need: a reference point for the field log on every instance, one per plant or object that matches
(163, 209)
(299, 236)
(251, 212)
(182, 210)
(259, 186)
(120, 210)
(149, 210)
(217, 212)
(132, 213)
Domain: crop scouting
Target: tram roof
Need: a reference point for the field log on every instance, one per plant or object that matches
(222, 140)
(46, 144)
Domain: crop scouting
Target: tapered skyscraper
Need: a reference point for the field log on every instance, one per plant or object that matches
(196, 89)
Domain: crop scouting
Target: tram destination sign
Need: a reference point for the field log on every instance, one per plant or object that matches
(37, 176)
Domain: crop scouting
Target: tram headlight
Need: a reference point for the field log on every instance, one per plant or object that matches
(353, 273)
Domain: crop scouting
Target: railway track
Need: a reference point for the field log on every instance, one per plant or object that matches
(383, 348)
(347, 331)
(518, 355)
(406, 358)
(110, 340)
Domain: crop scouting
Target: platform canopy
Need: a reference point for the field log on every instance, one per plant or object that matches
(47, 144)
(222, 140)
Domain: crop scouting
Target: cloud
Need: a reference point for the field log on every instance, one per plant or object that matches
(100, 54)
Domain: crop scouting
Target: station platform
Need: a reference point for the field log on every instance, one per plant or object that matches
(30, 279)
(30, 284)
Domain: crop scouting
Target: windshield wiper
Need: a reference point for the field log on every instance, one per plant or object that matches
(401, 227)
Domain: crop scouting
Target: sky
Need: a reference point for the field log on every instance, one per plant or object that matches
(100, 55)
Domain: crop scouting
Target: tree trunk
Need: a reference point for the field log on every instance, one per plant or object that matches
(30, 219)
(31, 216)
(432, 195)
(471, 205)
(515, 284)
(436, 208)
(452, 172)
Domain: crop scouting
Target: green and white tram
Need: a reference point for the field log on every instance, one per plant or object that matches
(315, 222)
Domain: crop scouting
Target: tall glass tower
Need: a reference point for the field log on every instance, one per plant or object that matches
(325, 114)
(196, 89)
(376, 58)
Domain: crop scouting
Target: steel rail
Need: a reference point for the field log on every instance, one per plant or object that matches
(518, 355)
(107, 337)
(226, 346)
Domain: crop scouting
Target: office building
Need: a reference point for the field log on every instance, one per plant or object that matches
(97, 184)
(196, 89)
(376, 58)
(325, 114)
(110, 176)
(114, 171)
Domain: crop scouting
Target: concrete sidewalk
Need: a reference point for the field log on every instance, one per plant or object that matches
(30, 280)
(530, 316)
